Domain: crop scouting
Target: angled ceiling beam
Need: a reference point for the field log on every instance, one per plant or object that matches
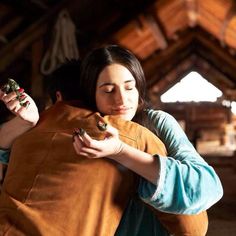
(229, 16)
(191, 42)
(40, 4)
(192, 6)
(174, 75)
(13, 49)
(156, 31)
(216, 55)
(167, 58)
(4, 11)
(10, 26)
(156, 27)
(192, 63)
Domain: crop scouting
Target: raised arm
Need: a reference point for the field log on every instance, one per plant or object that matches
(25, 118)
(187, 184)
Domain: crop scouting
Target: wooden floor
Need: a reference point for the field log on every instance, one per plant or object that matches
(222, 216)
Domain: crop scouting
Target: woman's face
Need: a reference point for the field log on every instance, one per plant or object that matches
(116, 92)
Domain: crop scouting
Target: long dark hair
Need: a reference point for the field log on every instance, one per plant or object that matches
(97, 60)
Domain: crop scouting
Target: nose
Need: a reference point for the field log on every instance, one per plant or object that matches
(120, 97)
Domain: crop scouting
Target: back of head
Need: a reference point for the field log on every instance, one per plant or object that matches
(65, 79)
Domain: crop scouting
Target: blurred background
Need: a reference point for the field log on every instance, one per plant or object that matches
(187, 49)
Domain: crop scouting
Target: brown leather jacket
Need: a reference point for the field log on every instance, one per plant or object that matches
(49, 190)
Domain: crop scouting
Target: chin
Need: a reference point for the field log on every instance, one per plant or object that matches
(127, 117)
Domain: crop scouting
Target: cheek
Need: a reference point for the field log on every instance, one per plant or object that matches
(101, 103)
(135, 99)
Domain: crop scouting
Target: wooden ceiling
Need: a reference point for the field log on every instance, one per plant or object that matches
(170, 37)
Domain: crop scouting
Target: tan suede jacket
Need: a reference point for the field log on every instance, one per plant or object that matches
(50, 190)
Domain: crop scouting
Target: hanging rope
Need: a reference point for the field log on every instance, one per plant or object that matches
(64, 45)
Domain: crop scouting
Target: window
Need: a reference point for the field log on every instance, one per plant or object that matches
(193, 87)
(233, 107)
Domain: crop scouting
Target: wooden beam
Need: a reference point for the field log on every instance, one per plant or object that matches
(216, 55)
(229, 16)
(192, 6)
(168, 58)
(213, 74)
(173, 76)
(12, 50)
(10, 26)
(156, 31)
(36, 77)
(4, 11)
(208, 52)
(193, 62)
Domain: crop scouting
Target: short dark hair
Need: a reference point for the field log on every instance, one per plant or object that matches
(97, 60)
(66, 80)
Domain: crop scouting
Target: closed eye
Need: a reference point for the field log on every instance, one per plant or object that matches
(130, 85)
(130, 88)
(108, 89)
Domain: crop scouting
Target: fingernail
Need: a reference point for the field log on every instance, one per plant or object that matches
(101, 126)
(79, 131)
(22, 97)
(25, 104)
(20, 90)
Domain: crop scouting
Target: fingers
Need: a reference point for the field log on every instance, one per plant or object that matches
(14, 101)
(111, 132)
(77, 144)
(82, 149)
(11, 103)
(7, 97)
(88, 141)
(92, 148)
(84, 137)
(21, 109)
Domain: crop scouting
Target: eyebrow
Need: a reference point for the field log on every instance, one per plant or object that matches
(107, 83)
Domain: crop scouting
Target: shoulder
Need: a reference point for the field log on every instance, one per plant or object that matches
(155, 114)
(160, 118)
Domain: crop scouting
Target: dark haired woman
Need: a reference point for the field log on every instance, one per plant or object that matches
(112, 82)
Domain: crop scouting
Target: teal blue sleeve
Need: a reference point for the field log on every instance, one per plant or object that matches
(186, 183)
(4, 156)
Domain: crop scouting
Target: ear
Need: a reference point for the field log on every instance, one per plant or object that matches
(59, 96)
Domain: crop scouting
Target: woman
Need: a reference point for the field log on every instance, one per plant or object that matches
(113, 83)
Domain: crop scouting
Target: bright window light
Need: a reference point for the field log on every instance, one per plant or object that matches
(193, 87)
(233, 107)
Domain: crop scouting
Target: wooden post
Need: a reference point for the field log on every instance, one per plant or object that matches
(37, 90)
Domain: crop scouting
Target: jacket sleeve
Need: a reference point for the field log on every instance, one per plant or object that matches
(186, 184)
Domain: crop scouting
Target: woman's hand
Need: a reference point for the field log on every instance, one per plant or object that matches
(26, 116)
(111, 146)
(28, 113)
(142, 163)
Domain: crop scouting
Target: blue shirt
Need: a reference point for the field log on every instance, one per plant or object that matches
(186, 184)
(4, 156)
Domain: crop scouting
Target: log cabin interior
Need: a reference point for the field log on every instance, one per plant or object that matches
(171, 38)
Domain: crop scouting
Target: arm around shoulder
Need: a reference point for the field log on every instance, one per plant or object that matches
(187, 184)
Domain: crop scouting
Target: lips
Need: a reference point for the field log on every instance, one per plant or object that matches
(122, 110)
